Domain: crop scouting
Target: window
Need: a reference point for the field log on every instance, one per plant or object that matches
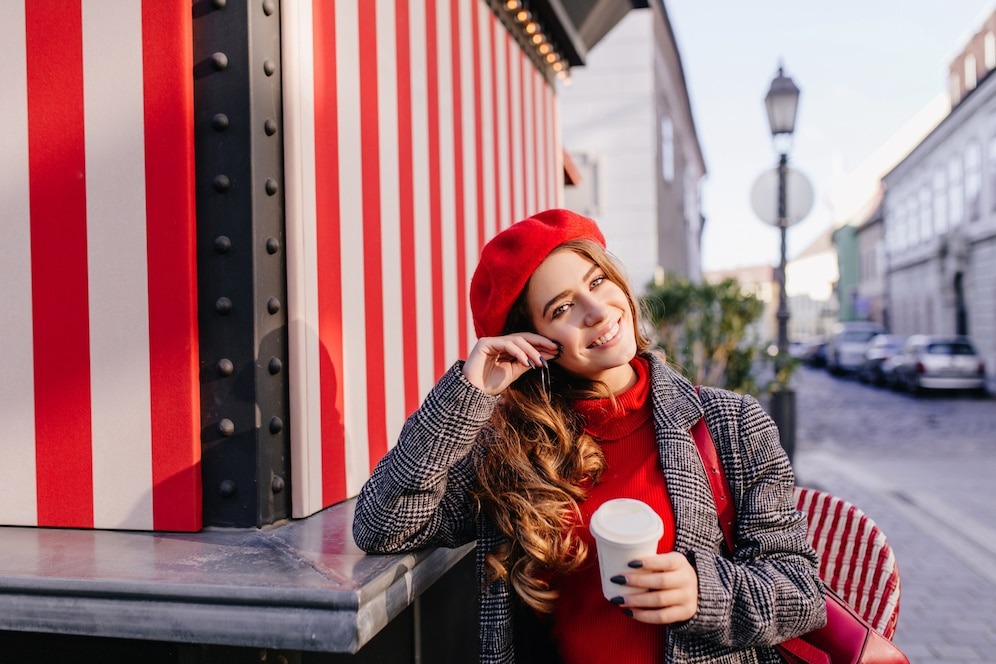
(940, 201)
(912, 221)
(667, 149)
(926, 232)
(990, 51)
(991, 169)
(970, 80)
(956, 189)
(973, 180)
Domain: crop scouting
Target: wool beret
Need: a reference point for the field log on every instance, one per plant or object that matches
(510, 257)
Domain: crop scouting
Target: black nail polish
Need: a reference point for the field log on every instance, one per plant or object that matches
(628, 613)
(618, 600)
(635, 564)
(619, 578)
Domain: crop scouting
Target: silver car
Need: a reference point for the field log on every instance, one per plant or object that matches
(939, 363)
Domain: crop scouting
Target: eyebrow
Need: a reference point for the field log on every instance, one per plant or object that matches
(562, 294)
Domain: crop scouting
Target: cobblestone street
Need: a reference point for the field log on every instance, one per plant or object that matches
(922, 468)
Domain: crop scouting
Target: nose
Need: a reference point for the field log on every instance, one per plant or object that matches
(595, 311)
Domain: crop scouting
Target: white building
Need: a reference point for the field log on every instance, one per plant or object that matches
(627, 125)
(940, 216)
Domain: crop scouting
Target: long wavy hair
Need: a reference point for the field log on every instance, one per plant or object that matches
(538, 462)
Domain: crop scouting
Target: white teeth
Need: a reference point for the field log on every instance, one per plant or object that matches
(605, 338)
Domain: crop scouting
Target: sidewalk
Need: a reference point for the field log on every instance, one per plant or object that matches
(938, 517)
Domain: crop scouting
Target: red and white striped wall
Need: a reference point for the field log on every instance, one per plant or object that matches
(414, 130)
(98, 396)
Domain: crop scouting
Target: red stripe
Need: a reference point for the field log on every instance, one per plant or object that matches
(495, 133)
(525, 176)
(170, 227)
(328, 251)
(478, 124)
(57, 171)
(514, 212)
(373, 275)
(406, 207)
(435, 194)
(458, 183)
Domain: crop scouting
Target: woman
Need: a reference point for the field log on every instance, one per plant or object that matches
(560, 406)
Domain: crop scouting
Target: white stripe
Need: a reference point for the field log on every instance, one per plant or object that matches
(484, 29)
(467, 76)
(18, 489)
(447, 178)
(558, 155)
(351, 229)
(420, 187)
(117, 264)
(297, 43)
(515, 127)
(387, 91)
(546, 161)
(502, 126)
(529, 125)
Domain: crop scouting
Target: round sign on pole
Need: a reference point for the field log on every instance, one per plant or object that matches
(798, 196)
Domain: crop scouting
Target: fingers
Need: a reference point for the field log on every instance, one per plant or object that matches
(670, 587)
(496, 362)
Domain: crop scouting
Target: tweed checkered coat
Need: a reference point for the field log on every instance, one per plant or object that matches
(419, 495)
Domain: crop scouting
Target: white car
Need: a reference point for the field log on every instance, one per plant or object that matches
(939, 363)
(846, 348)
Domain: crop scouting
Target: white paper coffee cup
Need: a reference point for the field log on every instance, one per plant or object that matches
(624, 529)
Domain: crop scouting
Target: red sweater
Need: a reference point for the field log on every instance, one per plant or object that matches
(586, 626)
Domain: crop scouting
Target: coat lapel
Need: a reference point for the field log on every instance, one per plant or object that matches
(676, 408)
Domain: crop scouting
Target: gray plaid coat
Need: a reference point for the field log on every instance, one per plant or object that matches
(419, 495)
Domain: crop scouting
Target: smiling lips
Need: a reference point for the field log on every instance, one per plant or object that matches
(607, 337)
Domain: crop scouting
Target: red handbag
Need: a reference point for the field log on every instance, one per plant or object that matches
(846, 638)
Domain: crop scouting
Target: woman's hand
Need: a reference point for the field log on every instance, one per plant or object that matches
(494, 363)
(672, 589)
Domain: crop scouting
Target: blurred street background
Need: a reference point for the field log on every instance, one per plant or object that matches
(922, 468)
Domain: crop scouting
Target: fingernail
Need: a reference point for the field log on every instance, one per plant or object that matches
(619, 578)
(635, 564)
(628, 613)
(618, 600)
(530, 363)
(545, 365)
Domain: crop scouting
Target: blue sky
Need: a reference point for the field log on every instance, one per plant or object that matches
(864, 68)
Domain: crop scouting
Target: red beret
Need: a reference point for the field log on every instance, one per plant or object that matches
(511, 256)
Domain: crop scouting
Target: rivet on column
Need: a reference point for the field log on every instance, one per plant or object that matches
(222, 244)
(225, 367)
(272, 245)
(269, 67)
(277, 484)
(273, 305)
(223, 306)
(226, 488)
(219, 121)
(226, 427)
(275, 365)
(276, 425)
(269, 7)
(219, 61)
(270, 127)
(270, 186)
(222, 183)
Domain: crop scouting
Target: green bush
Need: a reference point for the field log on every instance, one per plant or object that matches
(705, 330)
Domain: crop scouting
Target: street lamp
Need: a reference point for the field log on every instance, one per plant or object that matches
(782, 101)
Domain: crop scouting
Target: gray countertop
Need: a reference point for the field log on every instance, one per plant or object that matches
(300, 586)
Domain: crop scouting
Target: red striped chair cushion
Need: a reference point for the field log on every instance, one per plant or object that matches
(855, 558)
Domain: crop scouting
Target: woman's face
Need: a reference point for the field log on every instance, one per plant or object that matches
(571, 301)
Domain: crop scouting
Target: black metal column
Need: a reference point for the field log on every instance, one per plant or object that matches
(242, 277)
(783, 399)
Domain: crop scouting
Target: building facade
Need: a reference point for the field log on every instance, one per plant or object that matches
(940, 221)
(628, 126)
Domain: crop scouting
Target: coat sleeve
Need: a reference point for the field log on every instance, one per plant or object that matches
(770, 590)
(419, 495)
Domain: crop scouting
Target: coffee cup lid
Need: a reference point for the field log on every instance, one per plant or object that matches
(626, 521)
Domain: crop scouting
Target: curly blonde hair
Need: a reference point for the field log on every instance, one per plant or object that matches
(538, 461)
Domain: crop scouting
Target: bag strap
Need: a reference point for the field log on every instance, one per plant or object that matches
(720, 486)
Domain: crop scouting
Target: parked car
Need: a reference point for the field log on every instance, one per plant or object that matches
(815, 354)
(939, 363)
(880, 348)
(846, 348)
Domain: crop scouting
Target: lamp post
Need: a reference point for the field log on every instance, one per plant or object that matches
(781, 102)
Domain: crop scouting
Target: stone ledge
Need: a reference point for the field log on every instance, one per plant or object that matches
(301, 586)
